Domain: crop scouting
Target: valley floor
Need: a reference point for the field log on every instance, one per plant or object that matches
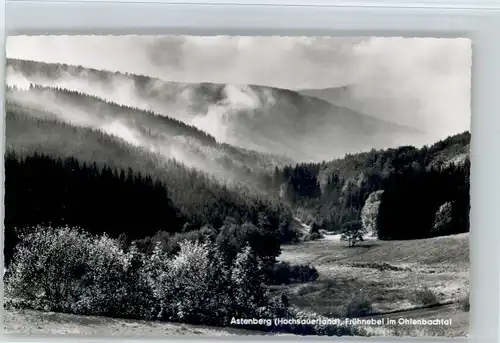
(387, 274)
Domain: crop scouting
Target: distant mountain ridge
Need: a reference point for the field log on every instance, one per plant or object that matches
(376, 107)
(259, 118)
(334, 95)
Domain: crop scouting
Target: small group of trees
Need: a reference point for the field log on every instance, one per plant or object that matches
(352, 232)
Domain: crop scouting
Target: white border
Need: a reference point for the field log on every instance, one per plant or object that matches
(478, 20)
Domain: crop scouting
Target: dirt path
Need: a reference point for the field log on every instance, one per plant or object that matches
(426, 312)
(458, 322)
(36, 322)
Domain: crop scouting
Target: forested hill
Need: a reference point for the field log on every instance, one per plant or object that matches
(416, 182)
(58, 174)
(145, 129)
(381, 162)
(99, 109)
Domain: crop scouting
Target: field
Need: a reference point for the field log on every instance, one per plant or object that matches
(424, 278)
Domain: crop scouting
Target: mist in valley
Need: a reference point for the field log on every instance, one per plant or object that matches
(264, 119)
(52, 104)
(423, 83)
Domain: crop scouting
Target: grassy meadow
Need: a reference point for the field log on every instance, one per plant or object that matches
(425, 278)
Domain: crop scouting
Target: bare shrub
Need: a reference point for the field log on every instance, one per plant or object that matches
(320, 329)
(465, 304)
(382, 266)
(425, 296)
(358, 306)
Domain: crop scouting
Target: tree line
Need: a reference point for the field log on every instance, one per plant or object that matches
(45, 190)
(48, 191)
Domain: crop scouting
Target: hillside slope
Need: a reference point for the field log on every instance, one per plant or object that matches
(452, 149)
(339, 96)
(198, 195)
(260, 118)
(383, 106)
(144, 129)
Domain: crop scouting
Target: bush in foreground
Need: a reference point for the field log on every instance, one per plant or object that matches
(283, 273)
(320, 329)
(68, 270)
(425, 296)
(191, 286)
(465, 304)
(358, 306)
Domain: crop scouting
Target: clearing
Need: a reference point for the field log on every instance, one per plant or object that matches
(387, 274)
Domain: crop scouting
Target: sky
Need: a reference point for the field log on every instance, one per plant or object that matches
(423, 83)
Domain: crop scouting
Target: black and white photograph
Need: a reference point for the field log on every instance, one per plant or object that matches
(158, 186)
